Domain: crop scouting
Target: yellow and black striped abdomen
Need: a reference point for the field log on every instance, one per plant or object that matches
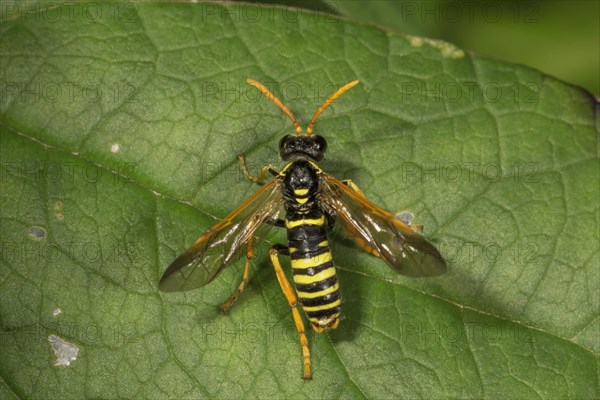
(314, 272)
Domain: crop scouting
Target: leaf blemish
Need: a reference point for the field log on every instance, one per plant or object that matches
(448, 50)
(37, 233)
(65, 352)
(56, 312)
(58, 208)
(115, 148)
(405, 216)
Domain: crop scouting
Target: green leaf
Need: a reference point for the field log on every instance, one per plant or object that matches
(119, 136)
(535, 31)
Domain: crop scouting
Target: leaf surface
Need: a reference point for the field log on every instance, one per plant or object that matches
(119, 136)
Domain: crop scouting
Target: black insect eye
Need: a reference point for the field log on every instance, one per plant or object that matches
(321, 143)
(283, 141)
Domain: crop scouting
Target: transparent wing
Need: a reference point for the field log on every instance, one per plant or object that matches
(379, 232)
(220, 245)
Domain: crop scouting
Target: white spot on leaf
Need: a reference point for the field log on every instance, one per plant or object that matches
(405, 216)
(57, 312)
(37, 233)
(115, 148)
(447, 49)
(58, 211)
(64, 351)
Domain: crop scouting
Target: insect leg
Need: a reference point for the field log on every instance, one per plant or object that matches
(365, 246)
(353, 186)
(290, 295)
(261, 175)
(359, 241)
(245, 278)
(417, 228)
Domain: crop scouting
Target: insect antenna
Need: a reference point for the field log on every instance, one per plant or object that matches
(327, 103)
(275, 100)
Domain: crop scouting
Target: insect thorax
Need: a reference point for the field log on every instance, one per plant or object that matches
(301, 186)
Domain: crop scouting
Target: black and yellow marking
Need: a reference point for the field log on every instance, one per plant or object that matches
(312, 262)
(297, 187)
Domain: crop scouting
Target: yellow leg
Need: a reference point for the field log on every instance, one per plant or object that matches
(417, 228)
(365, 246)
(261, 175)
(245, 278)
(290, 295)
(352, 185)
(359, 241)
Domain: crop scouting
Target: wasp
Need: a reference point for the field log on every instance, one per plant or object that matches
(307, 202)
